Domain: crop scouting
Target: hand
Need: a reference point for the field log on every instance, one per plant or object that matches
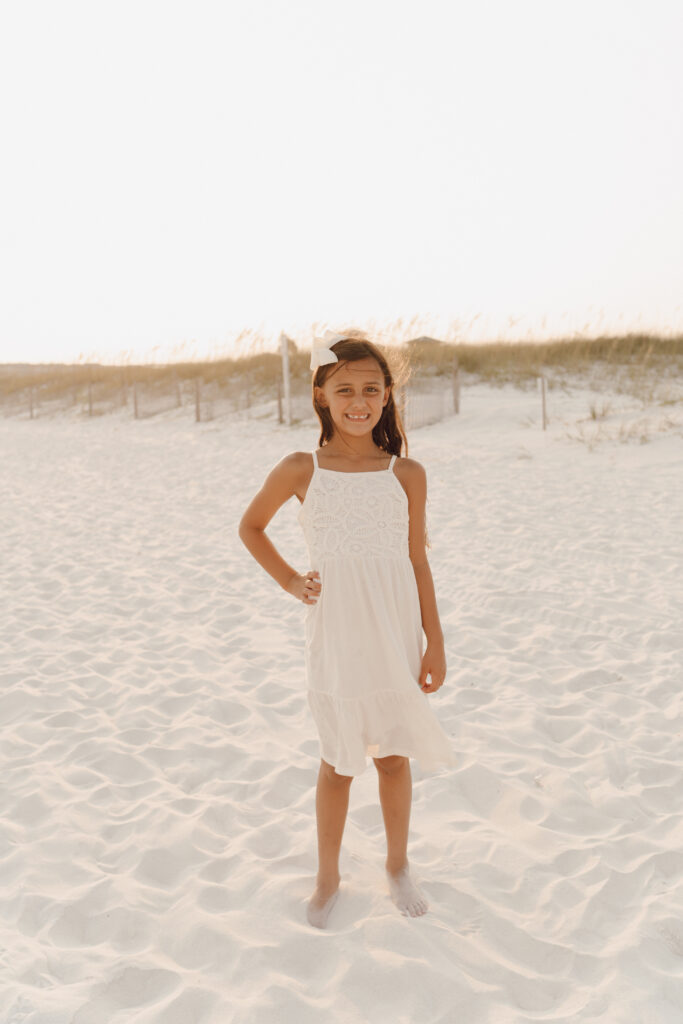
(305, 588)
(433, 665)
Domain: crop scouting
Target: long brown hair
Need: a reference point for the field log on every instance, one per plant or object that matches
(389, 433)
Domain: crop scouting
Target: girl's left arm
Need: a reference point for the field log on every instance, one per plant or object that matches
(434, 658)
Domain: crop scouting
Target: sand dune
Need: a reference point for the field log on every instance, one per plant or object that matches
(157, 832)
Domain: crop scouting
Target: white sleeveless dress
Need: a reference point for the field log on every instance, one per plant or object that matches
(364, 631)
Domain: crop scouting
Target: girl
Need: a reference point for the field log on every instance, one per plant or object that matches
(369, 598)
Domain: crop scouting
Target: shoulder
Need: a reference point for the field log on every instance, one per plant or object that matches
(298, 467)
(412, 477)
(410, 469)
(296, 460)
(283, 481)
(289, 471)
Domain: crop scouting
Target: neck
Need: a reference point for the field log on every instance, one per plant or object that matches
(353, 452)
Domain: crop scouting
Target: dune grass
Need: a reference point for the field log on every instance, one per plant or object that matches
(632, 363)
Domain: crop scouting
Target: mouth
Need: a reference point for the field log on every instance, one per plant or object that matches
(356, 419)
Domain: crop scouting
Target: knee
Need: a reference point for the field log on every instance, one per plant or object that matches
(330, 774)
(391, 765)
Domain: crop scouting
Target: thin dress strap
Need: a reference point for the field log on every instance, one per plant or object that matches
(315, 461)
(390, 466)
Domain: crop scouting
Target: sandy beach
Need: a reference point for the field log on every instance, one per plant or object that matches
(158, 758)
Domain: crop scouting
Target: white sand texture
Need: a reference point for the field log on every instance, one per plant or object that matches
(158, 757)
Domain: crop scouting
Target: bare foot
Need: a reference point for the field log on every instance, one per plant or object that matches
(408, 898)
(321, 902)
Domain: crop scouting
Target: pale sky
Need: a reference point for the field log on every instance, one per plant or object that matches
(174, 172)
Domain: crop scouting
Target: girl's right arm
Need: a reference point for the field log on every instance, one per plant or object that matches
(278, 487)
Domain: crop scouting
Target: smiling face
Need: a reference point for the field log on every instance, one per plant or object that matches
(355, 395)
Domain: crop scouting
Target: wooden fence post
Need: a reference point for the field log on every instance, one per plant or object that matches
(89, 398)
(543, 400)
(284, 353)
(279, 400)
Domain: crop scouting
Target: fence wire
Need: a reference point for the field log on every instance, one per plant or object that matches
(424, 400)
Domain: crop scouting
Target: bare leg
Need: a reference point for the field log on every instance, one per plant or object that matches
(331, 805)
(395, 794)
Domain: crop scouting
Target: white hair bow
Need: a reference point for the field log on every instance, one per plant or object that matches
(321, 353)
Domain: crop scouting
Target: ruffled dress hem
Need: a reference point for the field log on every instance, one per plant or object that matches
(380, 724)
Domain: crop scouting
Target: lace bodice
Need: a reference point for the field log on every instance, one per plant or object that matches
(355, 514)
